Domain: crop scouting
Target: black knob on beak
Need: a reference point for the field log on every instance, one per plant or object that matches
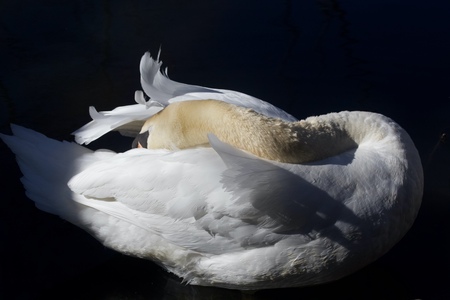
(140, 140)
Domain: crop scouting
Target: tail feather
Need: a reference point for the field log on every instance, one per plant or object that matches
(47, 165)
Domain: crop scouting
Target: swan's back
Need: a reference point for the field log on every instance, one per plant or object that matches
(338, 214)
(236, 212)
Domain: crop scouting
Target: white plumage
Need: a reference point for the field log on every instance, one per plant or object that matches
(220, 216)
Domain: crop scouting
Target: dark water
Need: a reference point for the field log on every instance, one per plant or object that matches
(307, 57)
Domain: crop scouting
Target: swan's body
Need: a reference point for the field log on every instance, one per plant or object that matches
(221, 216)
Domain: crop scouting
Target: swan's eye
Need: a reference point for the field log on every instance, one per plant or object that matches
(141, 140)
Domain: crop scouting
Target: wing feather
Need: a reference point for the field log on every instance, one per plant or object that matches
(162, 91)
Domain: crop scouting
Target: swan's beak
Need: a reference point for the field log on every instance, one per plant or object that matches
(141, 140)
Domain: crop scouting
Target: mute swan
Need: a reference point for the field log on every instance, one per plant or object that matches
(231, 191)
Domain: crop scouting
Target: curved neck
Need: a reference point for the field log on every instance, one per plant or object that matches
(186, 124)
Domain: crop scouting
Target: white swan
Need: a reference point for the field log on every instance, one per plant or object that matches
(217, 215)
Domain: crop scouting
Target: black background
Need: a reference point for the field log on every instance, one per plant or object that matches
(307, 57)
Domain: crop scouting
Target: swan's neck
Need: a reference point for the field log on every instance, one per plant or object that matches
(186, 125)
